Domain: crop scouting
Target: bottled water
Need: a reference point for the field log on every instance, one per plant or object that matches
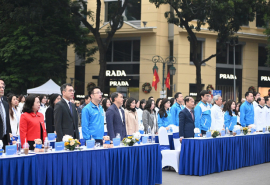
(118, 136)
(149, 130)
(171, 130)
(46, 145)
(19, 147)
(227, 132)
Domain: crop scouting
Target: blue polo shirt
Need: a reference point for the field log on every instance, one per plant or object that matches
(165, 121)
(92, 121)
(246, 114)
(202, 114)
(175, 110)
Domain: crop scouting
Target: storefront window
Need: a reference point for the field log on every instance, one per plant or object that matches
(226, 57)
(199, 52)
(123, 51)
(131, 13)
(262, 56)
(259, 20)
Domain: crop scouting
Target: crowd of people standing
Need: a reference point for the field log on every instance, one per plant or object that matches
(33, 117)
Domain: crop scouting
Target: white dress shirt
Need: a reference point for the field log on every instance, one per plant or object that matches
(5, 120)
(43, 109)
(267, 115)
(259, 117)
(217, 117)
(121, 115)
(255, 104)
(14, 123)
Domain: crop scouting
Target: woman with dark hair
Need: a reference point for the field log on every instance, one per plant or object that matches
(164, 115)
(32, 122)
(124, 103)
(149, 117)
(106, 103)
(43, 107)
(21, 102)
(158, 102)
(131, 117)
(238, 105)
(230, 116)
(142, 104)
(49, 116)
(14, 117)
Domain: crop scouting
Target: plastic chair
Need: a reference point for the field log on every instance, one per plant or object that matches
(169, 157)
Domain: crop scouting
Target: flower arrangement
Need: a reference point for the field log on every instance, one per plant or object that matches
(269, 128)
(70, 143)
(245, 130)
(215, 133)
(130, 140)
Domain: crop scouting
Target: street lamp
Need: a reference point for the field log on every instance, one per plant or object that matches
(233, 43)
(169, 60)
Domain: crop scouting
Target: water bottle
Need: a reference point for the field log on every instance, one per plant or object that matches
(1, 146)
(46, 145)
(19, 147)
(227, 132)
(118, 136)
(171, 130)
(149, 130)
(153, 137)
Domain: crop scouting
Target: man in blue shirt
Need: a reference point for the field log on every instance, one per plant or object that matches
(202, 113)
(177, 108)
(93, 117)
(247, 110)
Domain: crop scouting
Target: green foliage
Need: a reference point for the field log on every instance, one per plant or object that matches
(267, 32)
(34, 35)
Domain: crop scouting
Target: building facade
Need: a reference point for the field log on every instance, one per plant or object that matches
(146, 33)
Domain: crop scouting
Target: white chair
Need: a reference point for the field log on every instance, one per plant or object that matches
(169, 157)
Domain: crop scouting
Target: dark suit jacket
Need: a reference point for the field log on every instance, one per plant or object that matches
(114, 122)
(65, 123)
(6, 137)
(186, 124)
(49, 117)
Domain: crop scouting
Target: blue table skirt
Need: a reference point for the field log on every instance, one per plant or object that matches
(16, 170)
(205, 156)
(79, 167)
(135, 165)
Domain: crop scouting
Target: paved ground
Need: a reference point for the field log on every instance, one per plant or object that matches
(254, 175)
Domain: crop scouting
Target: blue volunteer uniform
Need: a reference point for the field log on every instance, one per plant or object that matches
(247, 114)
(92, 121)
(230, 121)
(165, 121)
(175, 110)
(202, 114)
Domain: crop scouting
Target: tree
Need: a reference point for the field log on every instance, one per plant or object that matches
(222, 16)
(115, 20)
(34, 35)
(267, 32)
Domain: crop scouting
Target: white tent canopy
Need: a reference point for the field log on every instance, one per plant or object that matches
(49, 87)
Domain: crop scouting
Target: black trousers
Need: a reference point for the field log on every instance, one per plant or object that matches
(99, 141)
(203, 132)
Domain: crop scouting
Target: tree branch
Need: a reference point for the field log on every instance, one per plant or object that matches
(98, 15)
(207, 59)
(84, 21)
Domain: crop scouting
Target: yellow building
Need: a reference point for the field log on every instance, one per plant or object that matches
(146, 33)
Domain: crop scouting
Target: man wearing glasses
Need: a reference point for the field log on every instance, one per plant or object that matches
(65, 114)
(203, 113)
(93, 117)
(4, 116)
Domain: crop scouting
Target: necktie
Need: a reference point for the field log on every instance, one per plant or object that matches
(70, 107)
(192, 115)
(3, 121)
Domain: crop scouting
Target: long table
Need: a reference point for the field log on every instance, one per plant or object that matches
(123, 165)
(205, 156)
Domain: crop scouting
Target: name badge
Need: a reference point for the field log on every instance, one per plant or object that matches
(51, 136)
(11, 150)
(90, 144)
(237, 132)
(59, 146)
(208, 134)
(223, 133)
(116, 142)
(144, 139)
(264, 130)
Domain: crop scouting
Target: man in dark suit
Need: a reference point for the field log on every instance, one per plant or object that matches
(115, 117)
(65, 115)
(186, 119)
(5, 129)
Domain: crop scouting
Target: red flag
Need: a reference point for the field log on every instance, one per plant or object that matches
(155, 80)
(167, 83)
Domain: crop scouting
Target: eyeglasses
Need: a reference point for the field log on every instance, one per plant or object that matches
(71, 91)
(3, 87)
(101, 93)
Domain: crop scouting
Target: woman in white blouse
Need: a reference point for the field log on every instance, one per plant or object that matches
(21, 103)
(14, 116)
